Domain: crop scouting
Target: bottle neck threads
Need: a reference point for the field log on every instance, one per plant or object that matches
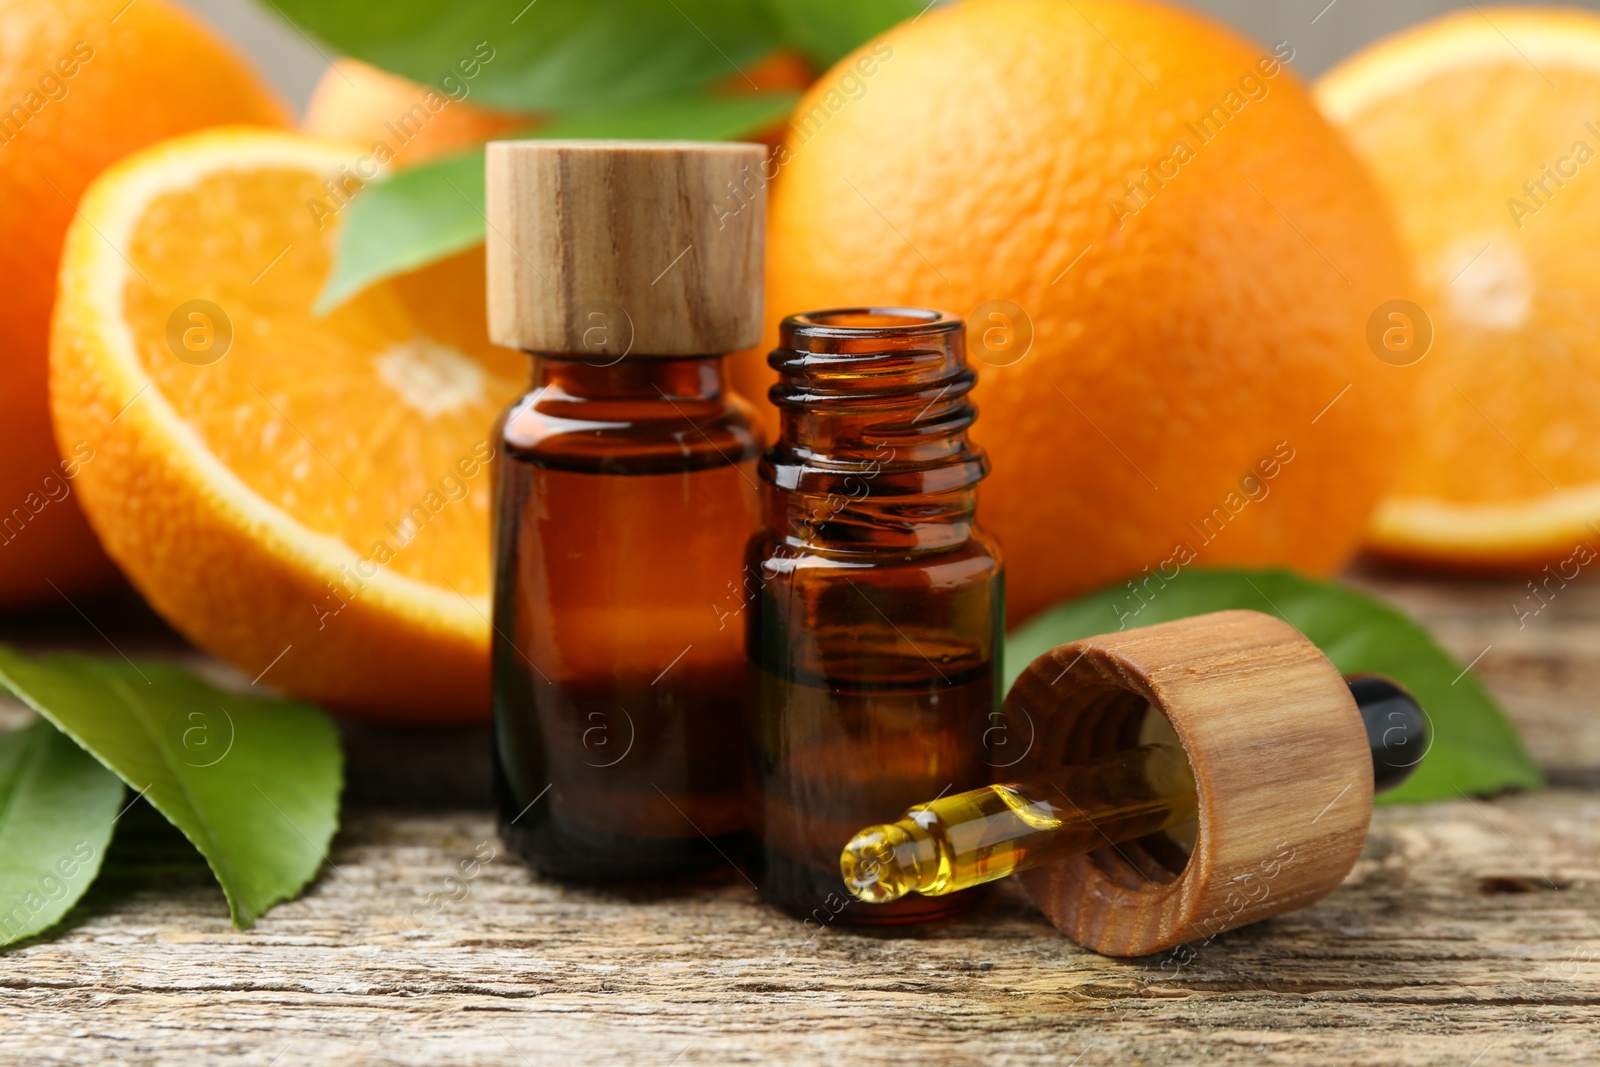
(874, 407)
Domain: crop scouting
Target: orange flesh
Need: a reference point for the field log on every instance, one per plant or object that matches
(369, 425)
(1514, 379)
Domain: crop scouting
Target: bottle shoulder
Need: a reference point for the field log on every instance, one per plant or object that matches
(977, 558)
(545, 427)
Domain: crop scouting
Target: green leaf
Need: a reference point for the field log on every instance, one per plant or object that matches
(251, 781)
(435, 210)
(1475, 748)
(415, 218)
(546, 55)
(57, 807)
(828, 30)
(687, 117)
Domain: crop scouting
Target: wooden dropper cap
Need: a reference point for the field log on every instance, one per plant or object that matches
(625, 248)
(1283, 771)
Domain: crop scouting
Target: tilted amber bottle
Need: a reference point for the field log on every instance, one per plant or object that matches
(625, 493)
(876, 603)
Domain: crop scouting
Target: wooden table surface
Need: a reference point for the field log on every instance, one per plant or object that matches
(1468, 934)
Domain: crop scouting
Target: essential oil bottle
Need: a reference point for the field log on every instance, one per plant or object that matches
(625, 492)
(876, 604)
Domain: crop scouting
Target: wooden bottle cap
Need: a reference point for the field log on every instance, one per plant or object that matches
(1282, 770)
(614, 248)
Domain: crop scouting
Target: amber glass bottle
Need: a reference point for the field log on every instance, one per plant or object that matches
(876, 602)
(624, 497)
(625, 493)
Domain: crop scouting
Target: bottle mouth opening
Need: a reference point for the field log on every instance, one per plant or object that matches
(863, 322)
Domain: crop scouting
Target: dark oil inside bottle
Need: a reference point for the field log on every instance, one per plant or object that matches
(819, 780)
(625, 497)
(876, 601)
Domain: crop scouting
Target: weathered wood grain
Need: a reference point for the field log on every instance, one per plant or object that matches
(1466, 930)
(1468, 933)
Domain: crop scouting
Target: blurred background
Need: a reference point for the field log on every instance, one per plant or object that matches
(1322, 32)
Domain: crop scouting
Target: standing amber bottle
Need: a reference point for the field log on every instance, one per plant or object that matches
(625, 493)
(877, 603)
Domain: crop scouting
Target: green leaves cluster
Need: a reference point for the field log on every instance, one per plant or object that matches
(253, 782)
(596, 68)
(1475, 748)
(559, 55)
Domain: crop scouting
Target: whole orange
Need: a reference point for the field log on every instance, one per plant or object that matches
(1168, 260)
(82, 83)
(360, 103)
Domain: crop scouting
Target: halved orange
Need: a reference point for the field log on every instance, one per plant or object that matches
(1483, 127)
(306, 497)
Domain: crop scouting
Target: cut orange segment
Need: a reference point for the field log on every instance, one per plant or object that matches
(306, 497)
(1484, 129)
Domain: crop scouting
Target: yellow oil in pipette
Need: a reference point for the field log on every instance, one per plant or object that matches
(961, 841)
